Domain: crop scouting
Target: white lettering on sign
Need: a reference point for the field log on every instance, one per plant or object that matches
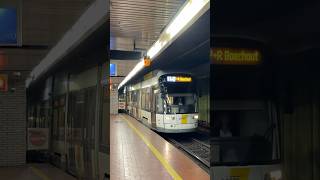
(171, 78)
(178, 79)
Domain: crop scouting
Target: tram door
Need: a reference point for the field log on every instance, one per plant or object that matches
(73, 133)
(81, 132)
(88, 131)
(153, 108)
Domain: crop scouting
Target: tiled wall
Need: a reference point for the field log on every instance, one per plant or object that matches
(42, 24)
(13, 124)
(123, 68)
(13, 106)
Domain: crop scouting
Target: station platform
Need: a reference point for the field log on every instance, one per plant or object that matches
(34, 172)
(139, 153)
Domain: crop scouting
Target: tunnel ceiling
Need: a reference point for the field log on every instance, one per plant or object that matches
(189, 52)
(141, 20)
(287, 26)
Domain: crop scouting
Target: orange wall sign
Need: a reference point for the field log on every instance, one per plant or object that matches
(147, 62)
(235, 56)
(3, 83)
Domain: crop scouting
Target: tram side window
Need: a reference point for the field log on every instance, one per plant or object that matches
(58, 118)
(104, 121)
(159, 101)
(148, 99)
(90, 105)
(55, 132)
(131, 98)
(135, 99)
(61, 123)
(143, 99)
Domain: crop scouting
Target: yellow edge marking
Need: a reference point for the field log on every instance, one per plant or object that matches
(39, 173)
(158, 155)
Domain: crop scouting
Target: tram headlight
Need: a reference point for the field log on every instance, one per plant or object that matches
(195, 117)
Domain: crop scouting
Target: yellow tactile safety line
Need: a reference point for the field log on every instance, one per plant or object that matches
(39, 173)
(158, 155)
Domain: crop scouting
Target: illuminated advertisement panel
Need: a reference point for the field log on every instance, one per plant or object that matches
(8, 26)
(113, 70)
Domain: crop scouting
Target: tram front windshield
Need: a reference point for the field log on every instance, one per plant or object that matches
(244, 137)
(181, 103)
(180, 98)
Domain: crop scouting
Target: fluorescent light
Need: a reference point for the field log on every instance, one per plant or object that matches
(134, 71)
(156, 48)
(188, 13)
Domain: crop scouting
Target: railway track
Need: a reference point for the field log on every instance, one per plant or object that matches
(198, 149)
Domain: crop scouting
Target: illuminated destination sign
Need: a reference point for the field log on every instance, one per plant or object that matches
(178, 79)
(8, 26)
(235, 56)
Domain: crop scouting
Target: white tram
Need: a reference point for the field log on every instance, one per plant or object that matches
(164, 101)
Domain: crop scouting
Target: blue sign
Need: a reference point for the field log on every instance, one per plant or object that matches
(113, 70)
(8, 26)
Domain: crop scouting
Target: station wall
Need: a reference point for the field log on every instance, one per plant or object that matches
(19, 61)
(17, 66)
(123, 69)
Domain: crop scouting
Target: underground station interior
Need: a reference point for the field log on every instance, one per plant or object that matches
(175, 89)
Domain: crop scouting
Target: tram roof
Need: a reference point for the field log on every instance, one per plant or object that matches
(80, 34)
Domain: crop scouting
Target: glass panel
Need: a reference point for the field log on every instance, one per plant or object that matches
(160, 107)
(181, 103)
(242, 137)
(104, 127)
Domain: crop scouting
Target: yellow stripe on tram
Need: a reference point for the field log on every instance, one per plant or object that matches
(158, 155)
(39, 173)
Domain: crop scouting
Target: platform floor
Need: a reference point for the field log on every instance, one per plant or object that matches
(138, 153)
(34, 172)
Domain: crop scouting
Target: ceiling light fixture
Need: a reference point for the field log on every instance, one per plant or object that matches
(187, 15)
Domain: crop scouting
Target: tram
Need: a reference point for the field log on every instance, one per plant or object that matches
(164, 101)
(121, 103)
(245, 141)
(72, 112)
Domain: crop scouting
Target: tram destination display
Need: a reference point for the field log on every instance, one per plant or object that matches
(178, 79)
(235, 56)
